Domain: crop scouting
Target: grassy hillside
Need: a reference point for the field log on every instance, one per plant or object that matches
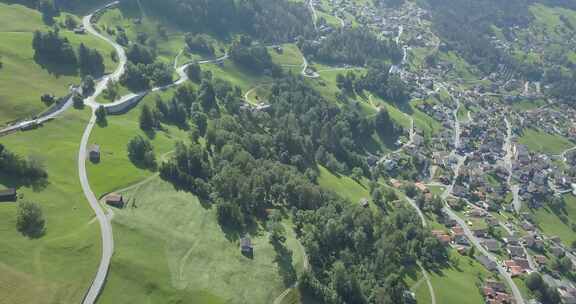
(457, 282)
(116, 171)
(170, 249)
(342, 185)
(22, 80)
(551, 224)
(58, 267)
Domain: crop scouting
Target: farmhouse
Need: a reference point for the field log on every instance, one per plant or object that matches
(94, 153)
(115, 200)
(8, 195)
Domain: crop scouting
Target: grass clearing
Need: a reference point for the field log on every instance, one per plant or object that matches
(540, 141)
(170, 248)
(58, 267)
(457, 282)
(342, 185)
(551, 224)
(290, 55)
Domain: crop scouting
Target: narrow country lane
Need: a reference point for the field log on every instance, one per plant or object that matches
(105, 225)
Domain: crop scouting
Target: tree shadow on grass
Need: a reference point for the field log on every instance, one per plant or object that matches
(36, 184)
(285, 263)
(54, 68)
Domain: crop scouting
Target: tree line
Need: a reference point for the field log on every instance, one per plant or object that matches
(276, 21)
(355, 46)
(50, 47)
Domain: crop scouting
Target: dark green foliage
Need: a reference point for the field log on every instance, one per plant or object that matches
(50, 47)
(543, 292)
(90, 61)
(251, 162)
(352, 45)
(28, 172)
(88, 84)
(140, 77)
(48, 99)
(464, 26)
(138, 53)
(101, 115)
(268, 20)
(207, 96)
(78, 101)
(388, 86)
(30, 219)
(359, 256)
(70, 22)
(149, 119)
(253, 58)
(141, 153)
(199, 44)
(194, 72)
(48, 10)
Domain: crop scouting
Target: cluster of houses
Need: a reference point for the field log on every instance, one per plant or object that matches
(539, 178)
(494, 292)
(558, 120)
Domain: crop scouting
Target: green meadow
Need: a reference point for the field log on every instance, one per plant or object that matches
(22, 80)
(59, 266)
(170, 249)
(540, 141)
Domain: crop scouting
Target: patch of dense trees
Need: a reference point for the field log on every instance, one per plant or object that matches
(143, 71)
(50, 47)
(253, 58)
(26, 171)
(465, 26)
(90, 61)
(303, 129)
(353, 46)
(250, 162)
(141, 153)
(377, 80)
(358, 255)
(30, 219)
(278, 20)
(542, 291)
(563, 85)
(139, 77)
(199, 44)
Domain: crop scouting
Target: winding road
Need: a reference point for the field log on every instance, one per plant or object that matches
(103, 219)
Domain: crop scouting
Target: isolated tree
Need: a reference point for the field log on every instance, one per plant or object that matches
(70, 22)
(48, 10)
(140, 152)
(47, 99)
(112, 91)
(207, 95)
(101, 115)
(357, 174)
(194, 72)
(90, 60)
(30, 219)
(148, 119)
(78, 101)
(88, 85)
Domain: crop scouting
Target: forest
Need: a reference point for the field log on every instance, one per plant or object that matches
(352, 46)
